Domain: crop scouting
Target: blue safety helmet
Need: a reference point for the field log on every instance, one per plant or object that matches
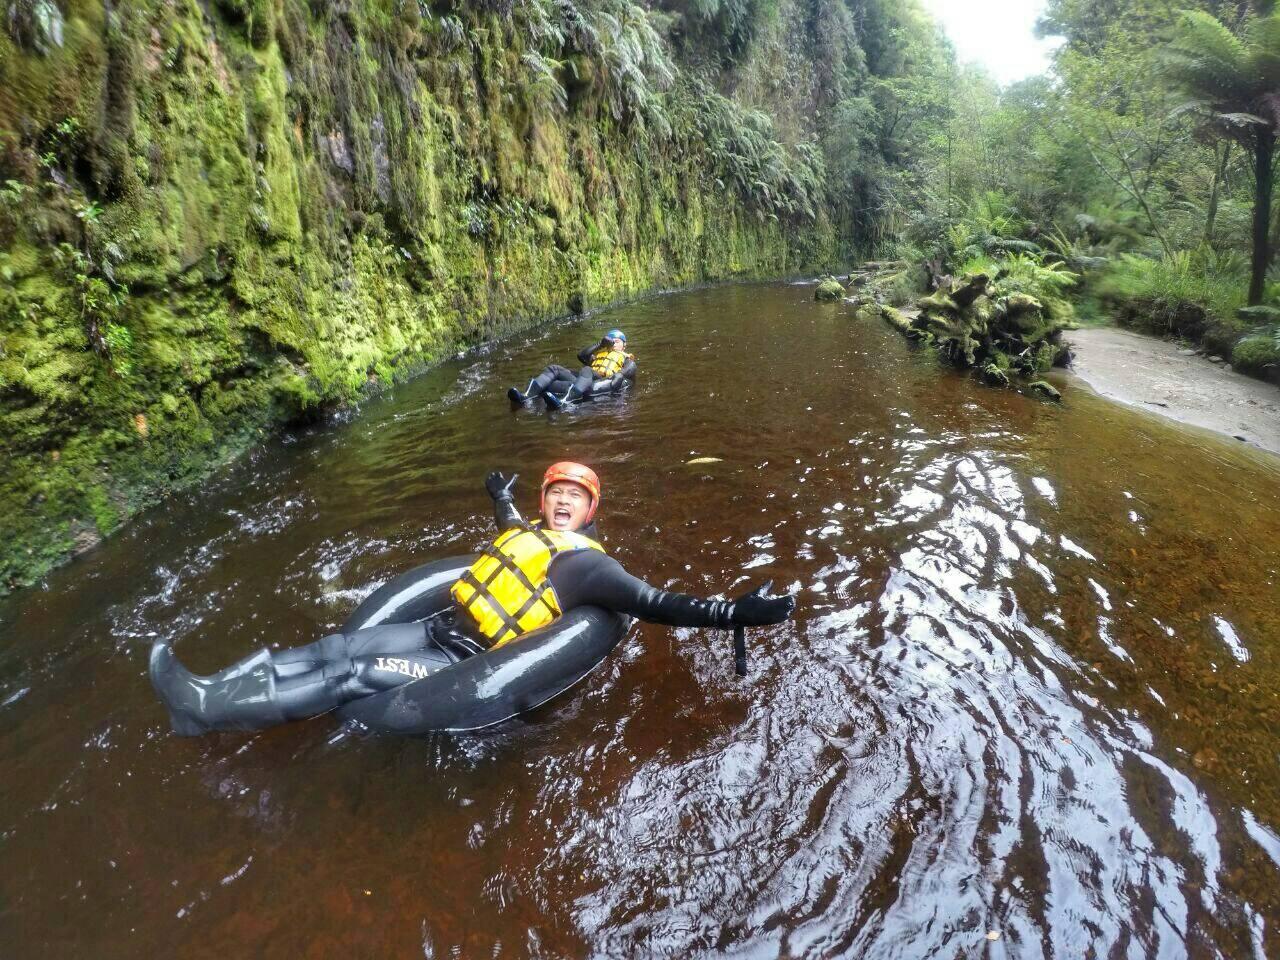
(616, 334)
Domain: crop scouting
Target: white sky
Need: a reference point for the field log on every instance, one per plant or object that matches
(998, 34)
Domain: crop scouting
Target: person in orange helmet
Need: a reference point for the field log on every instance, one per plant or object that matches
(529, 575)
(574, 570)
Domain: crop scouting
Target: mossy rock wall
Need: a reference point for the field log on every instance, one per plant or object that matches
(221, 216)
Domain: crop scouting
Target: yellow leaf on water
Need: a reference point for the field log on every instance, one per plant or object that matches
(698, 460)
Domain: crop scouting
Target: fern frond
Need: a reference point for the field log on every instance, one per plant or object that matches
(1208, 60)
(1264, 50)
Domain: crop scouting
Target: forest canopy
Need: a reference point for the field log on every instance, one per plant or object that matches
(1143, 162)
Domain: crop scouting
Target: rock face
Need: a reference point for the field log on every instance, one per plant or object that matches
(216, 217)
(829, 290)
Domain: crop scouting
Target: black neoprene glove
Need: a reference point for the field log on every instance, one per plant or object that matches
(758, 608)
(499, 486)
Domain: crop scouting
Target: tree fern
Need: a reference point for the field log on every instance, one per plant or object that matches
(1235, 84)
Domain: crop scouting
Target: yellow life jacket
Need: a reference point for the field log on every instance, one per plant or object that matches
(506, 591)
(605, 362)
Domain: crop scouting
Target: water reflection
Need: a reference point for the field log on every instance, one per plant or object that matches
(1030, 691)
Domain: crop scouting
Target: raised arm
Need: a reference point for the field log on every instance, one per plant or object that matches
(590, 578)
(586, 353)
(502, 488)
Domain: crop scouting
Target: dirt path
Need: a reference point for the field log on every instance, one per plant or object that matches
(1164, 378)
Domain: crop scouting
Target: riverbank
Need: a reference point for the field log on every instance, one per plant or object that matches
(1175, 382)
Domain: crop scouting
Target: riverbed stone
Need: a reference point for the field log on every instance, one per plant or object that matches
(829, 290)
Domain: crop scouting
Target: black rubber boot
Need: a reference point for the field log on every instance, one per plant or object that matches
(241, 697)
(530, 393)
(556, 403)
(532, 390)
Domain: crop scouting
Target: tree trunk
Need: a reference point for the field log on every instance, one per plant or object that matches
(1264, 146)
(1219, 177)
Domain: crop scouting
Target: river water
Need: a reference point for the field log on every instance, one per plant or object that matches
(1028, 705)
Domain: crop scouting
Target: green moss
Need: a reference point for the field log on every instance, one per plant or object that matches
(1258, 356)
(986, 320)
(282, 188)
(1045, 389)
(830, 289)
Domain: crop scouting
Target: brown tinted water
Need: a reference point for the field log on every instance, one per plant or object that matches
(1031, 688)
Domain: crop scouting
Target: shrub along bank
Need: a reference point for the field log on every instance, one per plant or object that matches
(217, 217)
(1200, 297)
(1197, 294)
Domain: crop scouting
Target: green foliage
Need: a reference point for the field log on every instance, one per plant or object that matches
(1192, 293)
(11, 193)
(89, 212)
(1236, 77)
(902, 286)
(1049, 283)
(1185, 277)
(546, 88)
(724, 28)
(745, 156)
(990, 226)
(1234, 83)
(1258, 355)
(632, 65)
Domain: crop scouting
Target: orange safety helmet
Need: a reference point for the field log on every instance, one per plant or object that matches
(574, 473)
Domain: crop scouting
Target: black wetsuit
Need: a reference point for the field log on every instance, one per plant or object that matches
(557, 379)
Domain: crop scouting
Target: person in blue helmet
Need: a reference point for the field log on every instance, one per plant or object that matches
(606, 368)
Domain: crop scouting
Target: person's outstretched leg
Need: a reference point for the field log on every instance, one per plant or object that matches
(241, 697)
(266, 689)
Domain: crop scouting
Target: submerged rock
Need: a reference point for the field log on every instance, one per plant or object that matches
(1045, 389)
(995, 375)
(896, 318)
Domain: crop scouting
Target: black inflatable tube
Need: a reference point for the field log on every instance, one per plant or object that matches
(607, 388)
(490, 687)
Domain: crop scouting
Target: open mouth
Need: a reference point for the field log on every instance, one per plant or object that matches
(562, 515)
